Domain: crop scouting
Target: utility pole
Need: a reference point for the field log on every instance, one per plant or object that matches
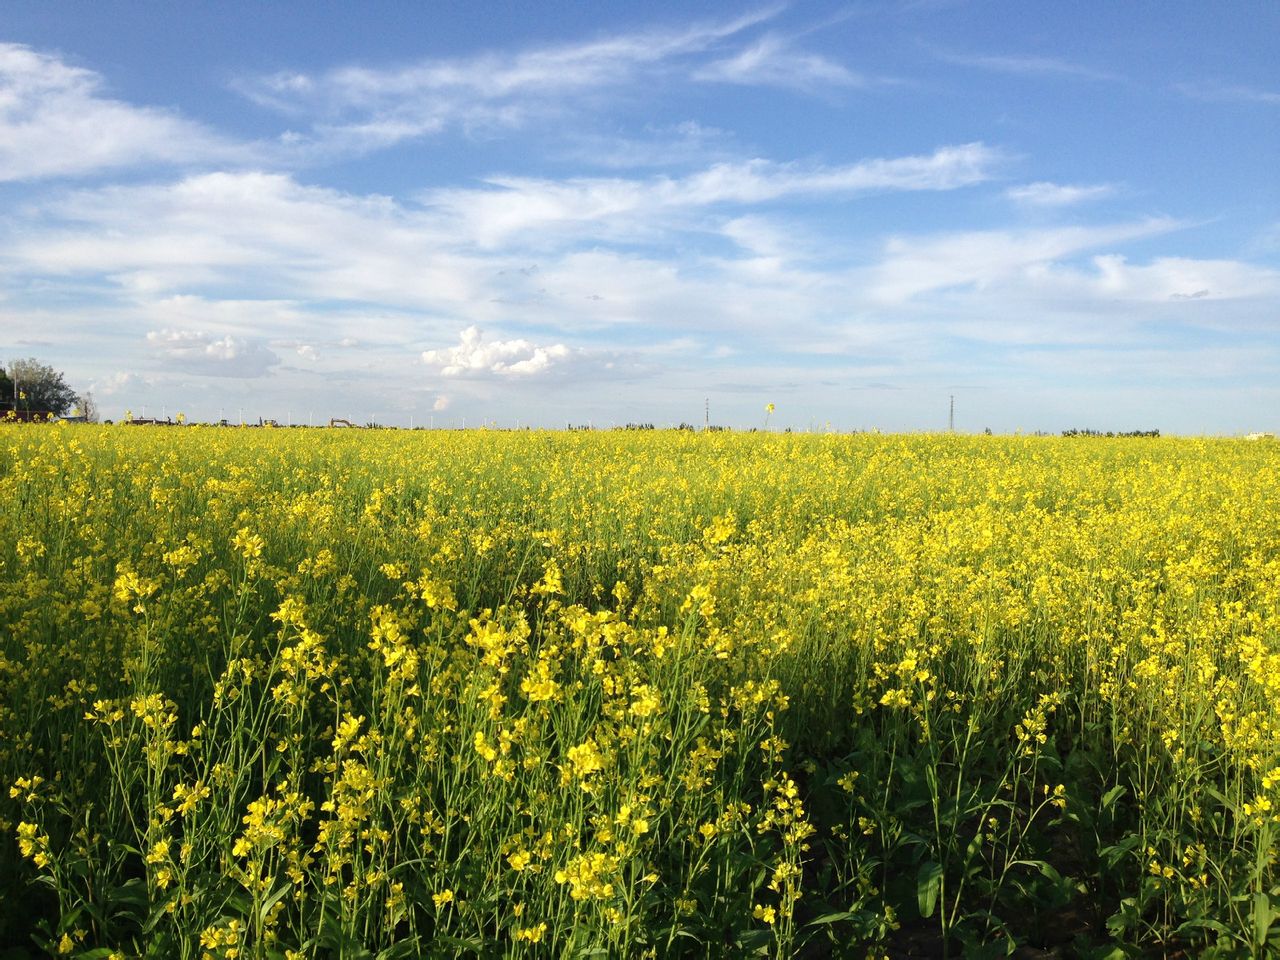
(951, 420)
(706, 415)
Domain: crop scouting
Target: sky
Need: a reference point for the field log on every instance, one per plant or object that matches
(456, 213)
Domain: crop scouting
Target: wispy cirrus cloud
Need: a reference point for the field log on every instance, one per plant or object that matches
(773, 61)
(358, 108)
(1163, 279)
(492, 77)
(513, 204)
(914, 266)
(1044, 194)
(684, 144)
(1024, 65)
(56, 120)
(1218, 91)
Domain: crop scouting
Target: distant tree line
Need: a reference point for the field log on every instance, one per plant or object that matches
(1111, 433)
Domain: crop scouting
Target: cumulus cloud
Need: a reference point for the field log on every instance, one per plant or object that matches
(212, 355)
(55, 121)
(502, 358)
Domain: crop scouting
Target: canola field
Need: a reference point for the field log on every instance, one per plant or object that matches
(295, 693)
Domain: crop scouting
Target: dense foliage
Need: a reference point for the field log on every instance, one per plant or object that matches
(32, 386)
(270, 693)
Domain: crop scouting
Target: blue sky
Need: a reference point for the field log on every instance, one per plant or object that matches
(1064, 215)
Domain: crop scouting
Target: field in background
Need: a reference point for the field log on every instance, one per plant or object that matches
(278, 694)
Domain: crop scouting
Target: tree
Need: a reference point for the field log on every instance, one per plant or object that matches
(88, 407)
(6, 392)
(39, 388)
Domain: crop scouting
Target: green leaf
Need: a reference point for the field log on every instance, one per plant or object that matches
(1046, 869)
(758, 939)
(1113, 854)
(1111, 796)
(1204, 923)
(928, 886)
(275, 898)
(832, 918)
(1263, 915)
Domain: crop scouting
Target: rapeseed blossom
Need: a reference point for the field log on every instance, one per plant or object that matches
(537, 694)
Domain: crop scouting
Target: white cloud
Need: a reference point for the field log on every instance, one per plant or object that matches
(1044, 194)
(55, 121)
(770, 238)
(118, 382)
(1217, 91)
(1163, 279)
(265, 231)
(410, 276)
(668, 146)
(514, 204)
(914, 266)
(1025, 65)
(440, 403)
(307, 352)
(212, 355)
(503, 358)
(365, 107)
(771, 62)
(227, 232)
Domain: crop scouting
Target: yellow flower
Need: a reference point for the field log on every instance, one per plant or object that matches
(159, 852)
(532, 934)
(585, 759)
